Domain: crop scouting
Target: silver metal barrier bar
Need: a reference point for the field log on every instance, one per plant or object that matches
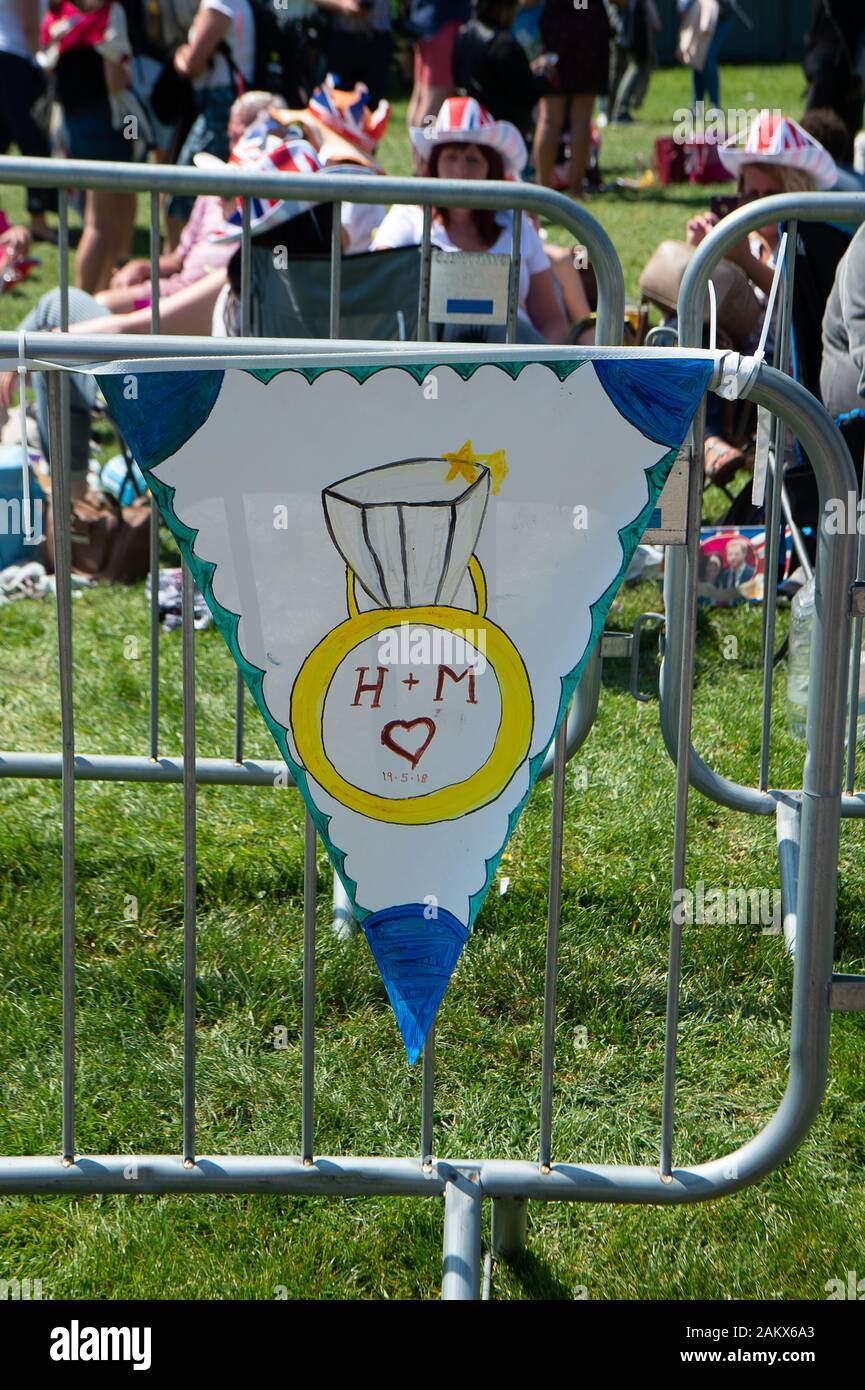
(680, 828)
(246, 331)
(820, 800)
(62, 562)
(855, 679)
(498, 195)
(777, 458)
(310, 886)
(514, 278)
(154, 515)
(551, 967)
(428, 1095)
(93, 767)
(461, 1263)
(189, 864)
(63, 254)
(848, 208)
(425, 267)
(335, 269)
(813, 427)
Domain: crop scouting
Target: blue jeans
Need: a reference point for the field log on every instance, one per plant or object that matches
(708, 82)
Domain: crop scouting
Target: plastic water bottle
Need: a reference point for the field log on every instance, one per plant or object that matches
(799, 658)
(798, 664)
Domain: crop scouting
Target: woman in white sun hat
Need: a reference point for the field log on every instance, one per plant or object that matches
(466, 142)
(776, 156)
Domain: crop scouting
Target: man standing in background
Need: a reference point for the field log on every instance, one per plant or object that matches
(835, 63)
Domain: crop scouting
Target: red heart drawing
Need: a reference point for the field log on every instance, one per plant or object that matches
(408, 724)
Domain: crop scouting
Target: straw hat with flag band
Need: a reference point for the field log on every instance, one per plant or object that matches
(775, 139)
(463, 120)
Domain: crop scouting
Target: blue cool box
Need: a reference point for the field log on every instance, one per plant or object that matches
(13, 551)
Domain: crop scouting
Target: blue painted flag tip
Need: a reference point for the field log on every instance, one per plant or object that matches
(416, 955)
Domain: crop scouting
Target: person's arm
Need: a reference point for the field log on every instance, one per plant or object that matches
(209, 28)
(135, 272)
(853, 304)
(542, 306)
(760, 273)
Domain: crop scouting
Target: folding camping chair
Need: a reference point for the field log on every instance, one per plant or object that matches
(378, 295)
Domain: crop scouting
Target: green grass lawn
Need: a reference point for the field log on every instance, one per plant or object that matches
(782, 1239)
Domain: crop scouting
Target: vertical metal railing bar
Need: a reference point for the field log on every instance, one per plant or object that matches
(798, 539)
(428, 1095)
(310, 887)
(246, 332)
(777, 456)
(189, 864)
(425, 264)
(514, 284)
(154, 262)
(428, 1061)
(63, 256)
(680, 831)
(551, 969)
(853, 695)
(61, 517)
(154, 511)
(335, 269)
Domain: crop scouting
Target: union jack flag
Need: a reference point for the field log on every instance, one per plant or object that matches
(264, 151)
(348, 114)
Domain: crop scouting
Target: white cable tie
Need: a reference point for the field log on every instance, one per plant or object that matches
(773, 295)
(737, 375)
(28, 531)
(713, 317)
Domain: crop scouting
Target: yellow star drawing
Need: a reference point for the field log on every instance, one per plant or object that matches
(498, 466)
(463, 461)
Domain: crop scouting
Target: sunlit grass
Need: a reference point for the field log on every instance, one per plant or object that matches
(784, 1238)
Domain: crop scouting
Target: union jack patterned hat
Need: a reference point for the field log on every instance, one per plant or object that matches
(265, 148)
(463, 119)
(347, 113)
(775, 139)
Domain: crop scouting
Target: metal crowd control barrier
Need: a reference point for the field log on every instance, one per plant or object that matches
(465, 1182)
(786, 806)
(156, 180)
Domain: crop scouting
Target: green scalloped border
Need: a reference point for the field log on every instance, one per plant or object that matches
(227, 621)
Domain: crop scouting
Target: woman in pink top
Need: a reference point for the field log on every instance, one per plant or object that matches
(194, 258)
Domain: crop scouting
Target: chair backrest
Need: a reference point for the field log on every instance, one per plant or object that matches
(378, 295)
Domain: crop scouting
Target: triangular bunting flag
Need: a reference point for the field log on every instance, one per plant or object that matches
(411, 563)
